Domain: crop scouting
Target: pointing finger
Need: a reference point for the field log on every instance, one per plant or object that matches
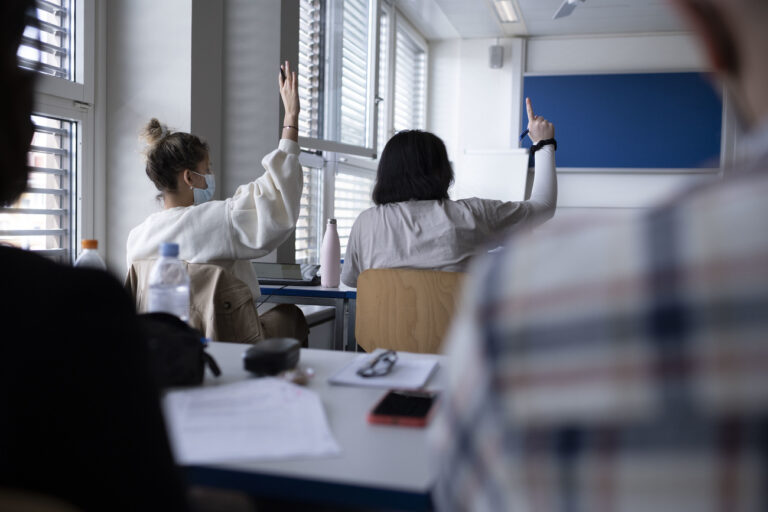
(529, 108)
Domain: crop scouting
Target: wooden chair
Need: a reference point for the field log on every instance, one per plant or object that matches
(402, 309)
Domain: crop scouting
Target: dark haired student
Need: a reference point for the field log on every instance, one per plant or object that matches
(229, 233)
(415, 225)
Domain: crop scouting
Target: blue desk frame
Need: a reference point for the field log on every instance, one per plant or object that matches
(344, 300)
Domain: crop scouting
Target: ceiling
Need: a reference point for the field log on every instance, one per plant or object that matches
(449, 19)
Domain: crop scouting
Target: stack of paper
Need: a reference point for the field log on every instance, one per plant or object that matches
(255, 419)
(409, 372)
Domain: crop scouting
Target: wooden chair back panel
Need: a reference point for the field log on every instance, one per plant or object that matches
(403, 309)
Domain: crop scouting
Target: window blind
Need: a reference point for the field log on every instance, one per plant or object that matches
(307, 227)
(410, 79)
(46, 48)
(353, 117)
(352, 195)
(40, 220)
(310, 68)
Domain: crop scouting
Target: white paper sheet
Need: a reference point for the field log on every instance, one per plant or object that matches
(408, 372)
(256, 419)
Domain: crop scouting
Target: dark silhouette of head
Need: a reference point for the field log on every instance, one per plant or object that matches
(17, 93)
(734, 36)
(413, 166)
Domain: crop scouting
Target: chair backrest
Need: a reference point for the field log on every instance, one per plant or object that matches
(221, 305)
(403, 309)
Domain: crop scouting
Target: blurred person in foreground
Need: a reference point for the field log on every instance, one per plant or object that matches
(624, 365)
(80, 416)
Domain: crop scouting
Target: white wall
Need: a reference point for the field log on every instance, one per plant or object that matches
(206, 67)
(617, 191)
(207, 79)
(612, 54)
(148, 75)
(473, 107)
(251, 94)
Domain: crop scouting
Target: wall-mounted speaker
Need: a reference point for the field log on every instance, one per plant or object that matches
(497, 56)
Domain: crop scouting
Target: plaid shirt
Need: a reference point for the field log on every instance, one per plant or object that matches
(616, 365)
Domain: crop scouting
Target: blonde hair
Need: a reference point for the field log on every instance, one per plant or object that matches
(169, 153)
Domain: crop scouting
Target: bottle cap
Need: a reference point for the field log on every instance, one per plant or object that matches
(169, 249)
(331, 221)
(89, 244)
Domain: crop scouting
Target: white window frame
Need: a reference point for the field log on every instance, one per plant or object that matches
(81, 89)
(74, 101)
(333, 157)
(333, 59)
(388, 99)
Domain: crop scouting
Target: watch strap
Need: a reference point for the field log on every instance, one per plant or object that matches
(542, 143)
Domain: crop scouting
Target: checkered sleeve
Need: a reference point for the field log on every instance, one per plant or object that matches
(616, 365)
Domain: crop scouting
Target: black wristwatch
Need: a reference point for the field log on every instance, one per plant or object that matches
(543, 143)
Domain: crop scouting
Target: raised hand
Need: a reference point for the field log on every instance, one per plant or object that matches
(538, 127)
(289, 91)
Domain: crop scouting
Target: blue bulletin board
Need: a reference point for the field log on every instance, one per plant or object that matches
(653, 120)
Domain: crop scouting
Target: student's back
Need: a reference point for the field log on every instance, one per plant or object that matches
(80, 412)
(415, 225)
(437, 235)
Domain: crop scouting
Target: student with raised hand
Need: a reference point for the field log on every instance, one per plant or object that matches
(80, 418)
(254, 221)
(415, 225)
(623, 365)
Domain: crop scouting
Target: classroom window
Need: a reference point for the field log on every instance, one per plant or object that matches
(410, 105)
(340, 82)
(352, 195)
(47, 48)
(310, 68)
(337, 41)
(41, 220)
(308, 228)
(57, 208)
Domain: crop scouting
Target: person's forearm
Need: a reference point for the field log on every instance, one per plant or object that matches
(544, 193)
(291, 127)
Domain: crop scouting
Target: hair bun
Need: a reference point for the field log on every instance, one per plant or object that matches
(154, 132)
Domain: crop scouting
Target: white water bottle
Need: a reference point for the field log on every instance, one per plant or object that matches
(89, 257)
(169, 284)
(330, 256)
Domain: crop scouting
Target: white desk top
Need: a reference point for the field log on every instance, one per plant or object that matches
(374, 456)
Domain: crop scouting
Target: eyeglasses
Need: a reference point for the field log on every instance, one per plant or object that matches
(381, 365)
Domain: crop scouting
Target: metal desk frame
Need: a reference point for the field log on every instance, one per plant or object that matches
(344, 300)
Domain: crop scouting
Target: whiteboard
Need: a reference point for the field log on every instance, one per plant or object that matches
(491, 174)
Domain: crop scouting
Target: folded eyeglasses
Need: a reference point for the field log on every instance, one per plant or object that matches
(380, 365)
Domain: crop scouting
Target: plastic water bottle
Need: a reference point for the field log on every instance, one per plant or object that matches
(89, 257)
(330, 255)
(169, 284)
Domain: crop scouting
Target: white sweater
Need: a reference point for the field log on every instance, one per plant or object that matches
(444, 235)
(254, 221)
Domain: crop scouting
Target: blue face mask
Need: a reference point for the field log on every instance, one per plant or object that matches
(203, 195)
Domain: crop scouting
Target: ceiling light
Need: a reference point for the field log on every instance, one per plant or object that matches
(566, 8)
(505, 10)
